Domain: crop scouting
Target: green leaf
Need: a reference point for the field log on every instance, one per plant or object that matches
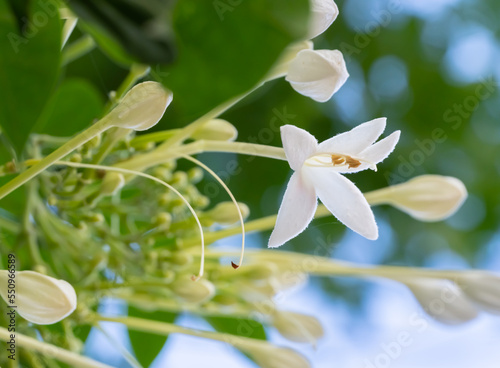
(72, 108)
(29, 64)
(224, 50)
(132, 26)
(147, 346)
(238, 326)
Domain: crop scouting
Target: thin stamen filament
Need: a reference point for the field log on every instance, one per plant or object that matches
(240, 215)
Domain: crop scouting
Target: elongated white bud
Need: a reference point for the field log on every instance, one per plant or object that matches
(298, 327)
(442, 299)
(142, 107)
(426, 197)
(39, 298)
(216, 130)
(275, 357)
(483, 288)
(317, 74)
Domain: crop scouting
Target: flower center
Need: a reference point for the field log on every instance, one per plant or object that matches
(335, 160)
(341, 160)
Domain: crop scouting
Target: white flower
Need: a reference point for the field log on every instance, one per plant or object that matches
(39, 298)
(142, 107)
(318, 169)
(323, 13)
(426, 197)
(442, 300)
(483, 288)
(317, 74)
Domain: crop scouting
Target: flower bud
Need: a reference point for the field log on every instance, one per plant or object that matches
(275, 357)
(280, 69)
(483, 288)
(442, 300)
(142, 107)
(317, 74)
(112, 183)
(226, 213)
(323, 13)
(193, 291)
(216, 130)
(298, 327)
(426, 197)
(39, 298)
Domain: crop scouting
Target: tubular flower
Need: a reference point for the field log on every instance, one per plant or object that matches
(317, 74)
(39, 298)
(317, 173)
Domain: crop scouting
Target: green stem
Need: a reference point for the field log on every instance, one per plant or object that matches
(9, 225)
(156, 157)
(47, 161)
(77, 49)
(322, 266)
(162, 328)
(137, 71)
(52, 351)
(186, 132)
(154, 137)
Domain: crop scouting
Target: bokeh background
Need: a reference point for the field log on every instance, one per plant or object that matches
(431, 67)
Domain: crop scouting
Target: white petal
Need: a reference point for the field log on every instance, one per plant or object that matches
(323, 13)
(317, 74)
(296, 211)
(344, 200)
(356, 140)
(380, 150)
(298, 144)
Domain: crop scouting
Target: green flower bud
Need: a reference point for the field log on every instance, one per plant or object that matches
(216, 130)
(112, 183)
(195, 175)
(180, 180)
(163, 220)
(193, 291)
(225, 213)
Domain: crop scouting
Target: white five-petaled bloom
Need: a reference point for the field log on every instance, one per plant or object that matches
(317, 74)
(142, 107)
(318, 169)
(39, 298)
(323, 13)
